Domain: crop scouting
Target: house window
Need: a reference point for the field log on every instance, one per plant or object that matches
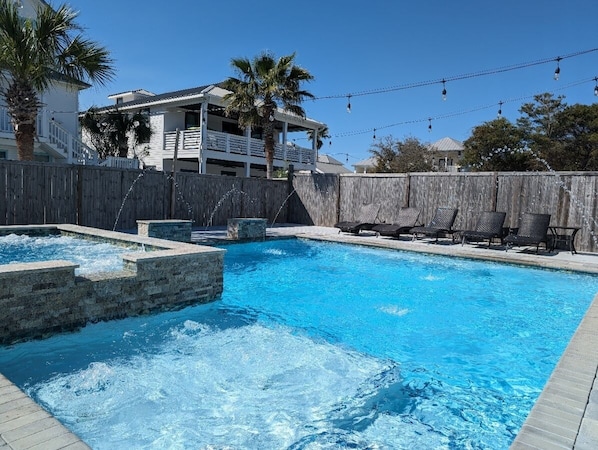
(2, 154)
(191, 120)
(257, 133)
(119, 100)
(228, 173)
(41, 157)
(231, 128)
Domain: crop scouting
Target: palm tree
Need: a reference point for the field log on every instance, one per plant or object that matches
(36, 52)
(263, 83)
(111, 131)
(323, 133)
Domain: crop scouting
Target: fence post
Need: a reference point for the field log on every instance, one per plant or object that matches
(173, 177)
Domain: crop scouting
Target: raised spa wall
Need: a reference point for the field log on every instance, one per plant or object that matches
(42, 298)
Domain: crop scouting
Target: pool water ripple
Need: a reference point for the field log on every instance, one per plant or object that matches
(318, 346)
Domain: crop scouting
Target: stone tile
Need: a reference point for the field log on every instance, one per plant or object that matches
(40, 437)
(588, 435)
(542, 439)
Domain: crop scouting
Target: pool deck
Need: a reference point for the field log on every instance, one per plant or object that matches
(564, 417)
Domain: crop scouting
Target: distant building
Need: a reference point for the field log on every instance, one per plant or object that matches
(448, 154)
(328, 164)
(365, 165)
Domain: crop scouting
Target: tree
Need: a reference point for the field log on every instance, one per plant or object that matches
(538, 122)
(395, 156)
(323, 133)
(496, 145)
(112, 133)
(36, 52)
(263, 83)
(576, 134)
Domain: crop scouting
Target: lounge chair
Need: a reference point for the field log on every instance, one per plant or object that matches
(405, 221)
(366, 220)
(442, 223)
(489, 226)
(533, 230)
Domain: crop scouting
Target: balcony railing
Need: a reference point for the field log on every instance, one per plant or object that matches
(190, 141)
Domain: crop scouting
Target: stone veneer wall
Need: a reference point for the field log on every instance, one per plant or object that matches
(246, 229)
(173, 230)
(38, 299)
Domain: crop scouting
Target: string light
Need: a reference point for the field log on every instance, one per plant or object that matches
(457, 113)
(500, 109)
(349, 104)
(459, 77)
(374, 134)
(444, 90)
(557, 71)
(596, 88)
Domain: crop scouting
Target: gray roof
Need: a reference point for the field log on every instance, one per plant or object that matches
(447, 144)
(368, 162)
(173, 95)
(328, 164)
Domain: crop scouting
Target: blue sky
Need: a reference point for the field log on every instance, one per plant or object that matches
(355, 46)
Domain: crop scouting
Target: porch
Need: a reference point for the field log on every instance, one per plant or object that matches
(232, 147)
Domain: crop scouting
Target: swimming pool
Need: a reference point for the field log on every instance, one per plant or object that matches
(317, 345)
(92, 256)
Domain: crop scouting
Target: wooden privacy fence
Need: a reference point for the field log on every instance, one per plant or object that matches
(110, 198)
(571, 198)
(38, 193)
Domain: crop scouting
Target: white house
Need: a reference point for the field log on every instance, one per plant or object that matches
(447, 154)
(57, 121)
(365, 165)
(190, 126)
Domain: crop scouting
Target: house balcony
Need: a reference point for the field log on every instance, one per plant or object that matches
(231, 147)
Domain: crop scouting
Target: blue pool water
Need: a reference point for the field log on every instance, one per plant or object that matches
(318, 346)
(91, 256)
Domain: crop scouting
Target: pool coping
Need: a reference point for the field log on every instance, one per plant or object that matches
(565, 416)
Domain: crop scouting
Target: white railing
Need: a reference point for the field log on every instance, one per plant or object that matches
(120, 163)
(75, 151)
(240, 145)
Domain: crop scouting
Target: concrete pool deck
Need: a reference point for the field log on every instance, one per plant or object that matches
(565, 415)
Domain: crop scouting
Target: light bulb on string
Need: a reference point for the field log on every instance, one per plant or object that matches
(374, 134)
(430, 125)
(348, 103)
(443, 90)
(499, 109)
(557, 71)
(596, 87)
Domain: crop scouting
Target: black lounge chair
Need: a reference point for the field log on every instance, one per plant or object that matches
(366, 220)
(442, 223)
(533, 230)
(489, 226)
(406, 220)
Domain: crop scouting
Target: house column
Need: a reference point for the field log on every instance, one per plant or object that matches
(248, 140)
(247, 167)
(314, 145)
(203, 121)
(285, 130)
